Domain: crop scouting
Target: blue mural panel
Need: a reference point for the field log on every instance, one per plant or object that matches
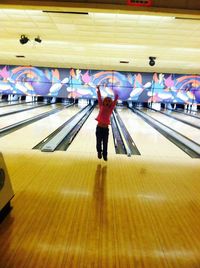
(61, 81)
(141, 86)
(161, 90)
(186, 87)
(4, 72)
(81, 84)
(6, 86)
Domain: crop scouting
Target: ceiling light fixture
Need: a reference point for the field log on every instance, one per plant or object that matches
(152, 61)
(38, 39)
(23, 39)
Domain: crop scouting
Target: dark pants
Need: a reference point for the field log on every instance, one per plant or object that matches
(102, 139)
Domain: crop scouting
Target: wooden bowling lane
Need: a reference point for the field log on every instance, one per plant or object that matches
(32, 134)
(85, 141)
(186, 130)
(14, 118)
(70, 210)
(7, 103)
(8, 109)
(147, 139)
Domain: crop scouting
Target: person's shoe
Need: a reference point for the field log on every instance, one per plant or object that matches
(105, 157)
(99, 155)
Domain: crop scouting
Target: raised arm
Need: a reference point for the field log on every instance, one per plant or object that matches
(115, 100)
(99, 95)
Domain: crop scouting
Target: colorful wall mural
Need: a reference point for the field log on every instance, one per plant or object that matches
(76, 83)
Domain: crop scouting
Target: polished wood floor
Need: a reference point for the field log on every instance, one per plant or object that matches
(73, 210)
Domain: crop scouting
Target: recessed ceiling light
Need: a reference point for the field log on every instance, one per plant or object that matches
(124, 61)
(65, 12)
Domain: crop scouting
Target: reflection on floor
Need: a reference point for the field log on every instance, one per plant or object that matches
(77, 211)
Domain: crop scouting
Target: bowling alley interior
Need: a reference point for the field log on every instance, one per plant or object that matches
(70, 198)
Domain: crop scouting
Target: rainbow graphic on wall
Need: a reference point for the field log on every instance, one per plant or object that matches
(77, 83)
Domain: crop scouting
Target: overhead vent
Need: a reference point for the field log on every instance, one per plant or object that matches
(183, 18)
(65, 12)
(124, 61)
(20, 56)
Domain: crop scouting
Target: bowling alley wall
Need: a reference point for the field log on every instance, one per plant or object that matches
(80, 83)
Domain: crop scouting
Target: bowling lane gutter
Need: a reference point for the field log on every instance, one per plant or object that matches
(185, 144)
(70, 137)
(62, 137)
(9, 129)
(124, 143)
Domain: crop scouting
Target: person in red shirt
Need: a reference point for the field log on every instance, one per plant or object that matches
(106, 108)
